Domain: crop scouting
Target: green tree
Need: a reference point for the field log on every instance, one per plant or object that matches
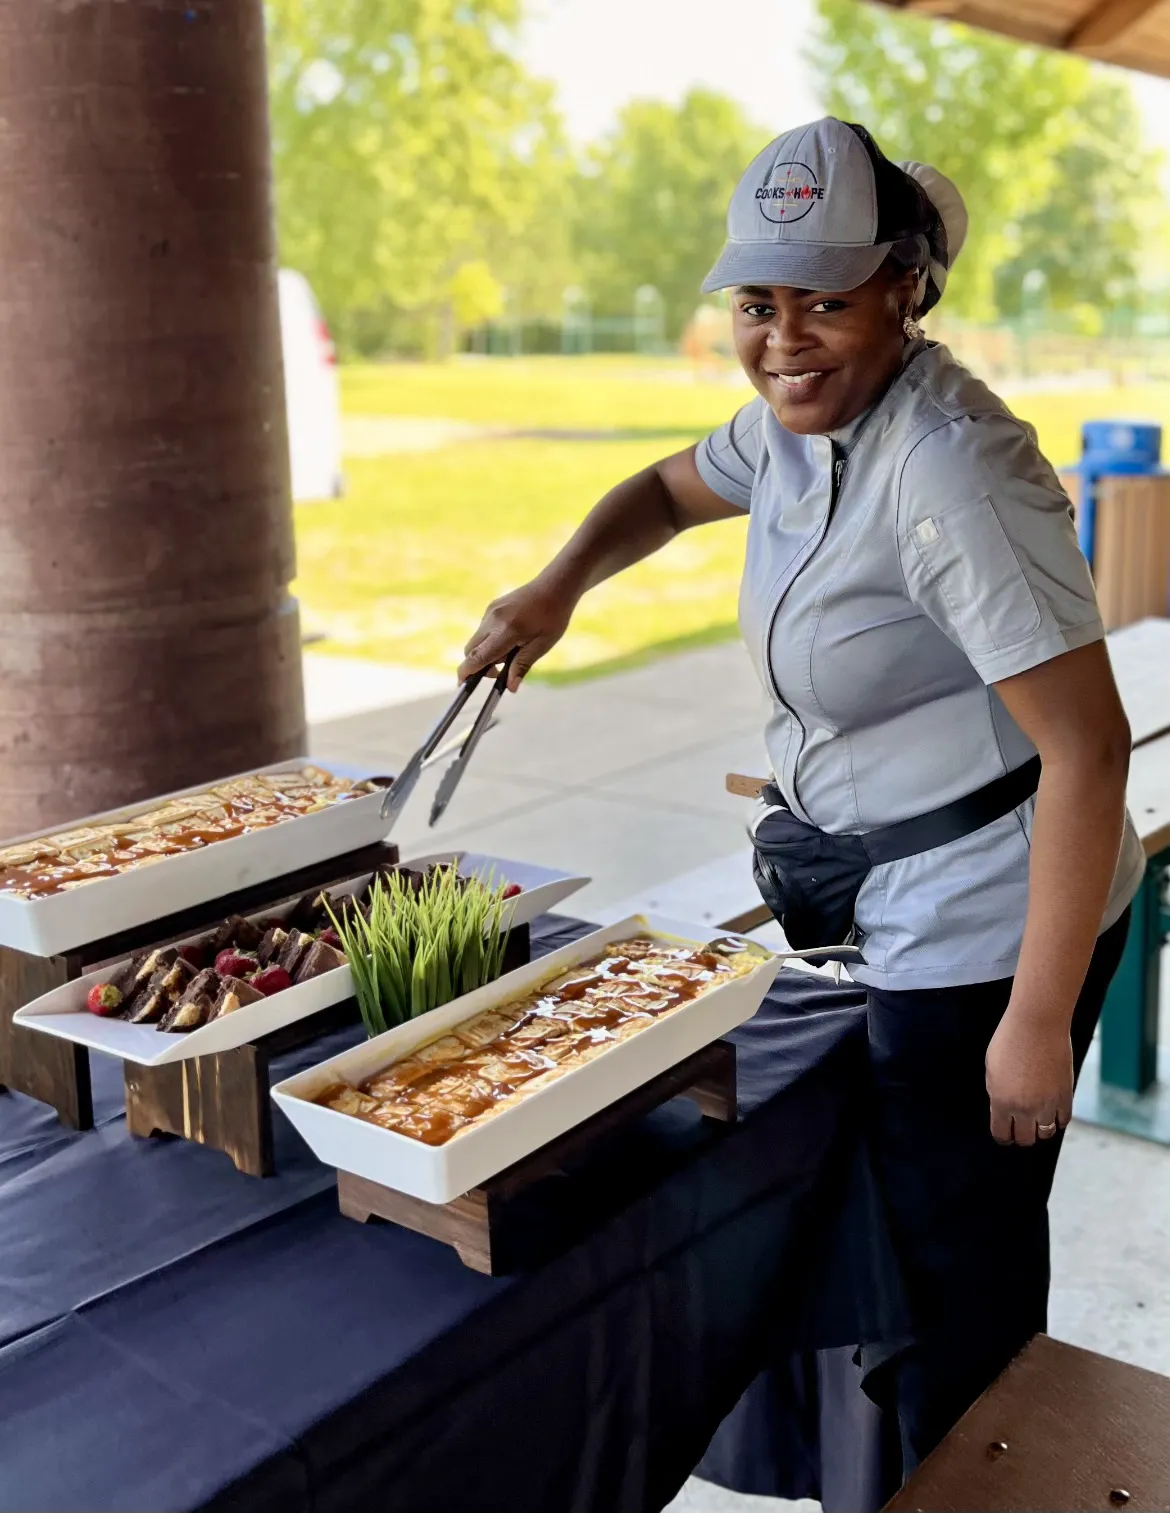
(1017, 128)
(652, 201)
(1084, 239)
(410, 146)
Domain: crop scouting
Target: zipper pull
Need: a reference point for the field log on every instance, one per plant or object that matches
(838, 474)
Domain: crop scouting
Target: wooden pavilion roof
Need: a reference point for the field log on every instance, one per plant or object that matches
(1131, 33)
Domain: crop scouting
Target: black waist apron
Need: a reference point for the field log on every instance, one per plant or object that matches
(810, 879)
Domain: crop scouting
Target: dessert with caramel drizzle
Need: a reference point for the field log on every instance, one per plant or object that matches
(491, 1061)
(75, 858)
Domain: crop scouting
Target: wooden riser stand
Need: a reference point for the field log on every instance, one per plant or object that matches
(56, 1072)
(476, 1224)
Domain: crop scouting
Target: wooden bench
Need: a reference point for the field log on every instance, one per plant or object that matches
(1062, 1428)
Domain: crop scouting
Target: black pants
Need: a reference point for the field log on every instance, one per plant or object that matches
(970, 1217)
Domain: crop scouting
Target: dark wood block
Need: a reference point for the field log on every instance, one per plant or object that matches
(221, 1101)
(475, 1224)
(52, 1071)
(57, 1073)
(1062, 1428)
(467, 1223)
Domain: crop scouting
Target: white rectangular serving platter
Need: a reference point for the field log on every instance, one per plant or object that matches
(62, 1012)
(49, 926)
(438, 1174)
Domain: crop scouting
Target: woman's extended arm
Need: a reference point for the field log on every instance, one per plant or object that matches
(1070, 710)
(633, 520)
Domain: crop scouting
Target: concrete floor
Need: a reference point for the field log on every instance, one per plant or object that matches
(622, 778)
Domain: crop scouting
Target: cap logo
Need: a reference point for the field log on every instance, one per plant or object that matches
(788, 193)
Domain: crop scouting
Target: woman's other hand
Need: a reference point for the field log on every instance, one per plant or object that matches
(1029, 1079)
(532, 618)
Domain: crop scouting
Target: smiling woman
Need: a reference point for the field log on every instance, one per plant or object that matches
(948, 749)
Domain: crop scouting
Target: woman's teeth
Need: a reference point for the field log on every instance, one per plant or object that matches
(795, 382)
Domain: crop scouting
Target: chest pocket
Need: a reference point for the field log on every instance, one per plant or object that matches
(969, 579)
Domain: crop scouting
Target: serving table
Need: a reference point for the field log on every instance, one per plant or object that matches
(175, 1336)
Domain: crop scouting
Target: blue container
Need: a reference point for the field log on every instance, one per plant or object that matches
(1112, 447)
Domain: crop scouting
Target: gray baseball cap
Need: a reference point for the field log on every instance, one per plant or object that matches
(819, 208)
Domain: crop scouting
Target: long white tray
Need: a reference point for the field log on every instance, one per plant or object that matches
(62, 1012)
(49, 926)
(438, 1174)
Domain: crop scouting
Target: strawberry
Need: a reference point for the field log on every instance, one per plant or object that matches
(270, 980)
(233, 963)
(103, 998)
(331, 938)
(513, 890)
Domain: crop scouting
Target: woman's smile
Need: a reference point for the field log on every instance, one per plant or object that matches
(798, 388)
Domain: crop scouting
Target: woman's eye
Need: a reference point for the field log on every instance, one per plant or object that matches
(759, 312)
(828, 306)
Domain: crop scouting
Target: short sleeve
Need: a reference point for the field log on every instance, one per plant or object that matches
(728, 458)
(988, 548)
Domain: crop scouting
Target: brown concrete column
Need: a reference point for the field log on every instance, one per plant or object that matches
(147, 638)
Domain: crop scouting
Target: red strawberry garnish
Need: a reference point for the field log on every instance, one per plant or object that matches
(195, 953)
(103, 998)
(513, 890)
(331, 938)
(270, 980)
(233, 963)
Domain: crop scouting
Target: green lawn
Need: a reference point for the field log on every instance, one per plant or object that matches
(401, 569)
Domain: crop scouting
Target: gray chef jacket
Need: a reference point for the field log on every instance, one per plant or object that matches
(894, 573)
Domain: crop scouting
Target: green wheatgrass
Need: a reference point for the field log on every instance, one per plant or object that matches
(419, 950)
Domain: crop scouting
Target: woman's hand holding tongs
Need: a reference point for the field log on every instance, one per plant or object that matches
(530, 620)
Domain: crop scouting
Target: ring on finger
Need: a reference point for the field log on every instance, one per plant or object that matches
(1046, 1131)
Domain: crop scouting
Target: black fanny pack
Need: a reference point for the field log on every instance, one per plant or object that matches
(810, 879)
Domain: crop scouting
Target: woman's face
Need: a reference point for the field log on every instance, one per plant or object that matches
(820, 359)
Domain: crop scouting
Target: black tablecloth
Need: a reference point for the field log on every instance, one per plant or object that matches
(174, 1335)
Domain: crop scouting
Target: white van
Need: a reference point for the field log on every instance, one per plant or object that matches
(311, 393)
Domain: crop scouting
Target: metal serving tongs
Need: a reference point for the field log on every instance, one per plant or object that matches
(404, 784)
(483, 723)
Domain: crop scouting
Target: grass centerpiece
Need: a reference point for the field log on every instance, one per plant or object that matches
(416, 947)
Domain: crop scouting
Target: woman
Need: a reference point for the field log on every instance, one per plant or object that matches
(949, 750)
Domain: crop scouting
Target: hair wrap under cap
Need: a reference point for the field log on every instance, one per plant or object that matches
(947, 200)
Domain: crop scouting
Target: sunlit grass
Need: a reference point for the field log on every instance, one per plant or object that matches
(401, 569)
(571, 393)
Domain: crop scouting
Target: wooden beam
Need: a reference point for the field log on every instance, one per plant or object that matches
(1020, 29)
(1105, 23)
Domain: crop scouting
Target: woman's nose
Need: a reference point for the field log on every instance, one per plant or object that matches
(788, 333)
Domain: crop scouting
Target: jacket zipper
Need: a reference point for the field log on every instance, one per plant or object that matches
(836, 476)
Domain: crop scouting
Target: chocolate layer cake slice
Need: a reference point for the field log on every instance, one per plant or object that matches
(293, 952)
(164, 990)
(234, 993)
(309, 912)
(194, 1008)
(196, 1005)
(272, 945)
(236, 932)
(320, 957)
